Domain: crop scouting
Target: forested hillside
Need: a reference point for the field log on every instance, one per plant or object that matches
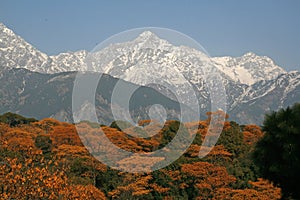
(46, 160)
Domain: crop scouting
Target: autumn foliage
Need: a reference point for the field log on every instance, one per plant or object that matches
(46, 159)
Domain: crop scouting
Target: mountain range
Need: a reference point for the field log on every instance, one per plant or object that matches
(254, 84)
(50, 95)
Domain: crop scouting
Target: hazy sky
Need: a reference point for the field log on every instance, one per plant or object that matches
(266, 27)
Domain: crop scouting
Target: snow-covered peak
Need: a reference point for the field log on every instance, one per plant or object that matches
(250, 55)
(5, 30)
(145, 48)
(147, 35)
(249, 68)
(69, 61)
(150, 37)
(15, 52)
(147, 39)
(250, 80)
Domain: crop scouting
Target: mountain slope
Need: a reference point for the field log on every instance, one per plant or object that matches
(249, 68)
(15, 52)
(267, 96)
(50, 95)
(254, 84)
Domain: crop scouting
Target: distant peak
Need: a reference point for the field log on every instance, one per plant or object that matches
(2, 25)
(148, 35)
(4, 28)
(249, 54)
(150, 39)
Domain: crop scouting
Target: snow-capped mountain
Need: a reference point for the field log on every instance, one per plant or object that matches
(15, 52)
(254, 84)
(70, 61)
(249, 68)
(266, 96)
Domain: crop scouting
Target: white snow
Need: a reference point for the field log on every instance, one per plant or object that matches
(147, 59)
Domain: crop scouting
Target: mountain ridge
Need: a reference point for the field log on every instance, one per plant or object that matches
(248, 79)
(75, 61)
(38, 95)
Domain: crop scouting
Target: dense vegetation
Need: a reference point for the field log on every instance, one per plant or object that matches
(46, 160)
(278, 153)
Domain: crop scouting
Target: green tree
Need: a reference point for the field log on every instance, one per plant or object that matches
(277, 154)
(169, 131)
(44, 143)
(14, 119)
(241, 165)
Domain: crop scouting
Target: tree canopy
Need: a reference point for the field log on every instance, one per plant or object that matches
(278, 153)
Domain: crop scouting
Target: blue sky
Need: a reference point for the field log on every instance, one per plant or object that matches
(270, 28)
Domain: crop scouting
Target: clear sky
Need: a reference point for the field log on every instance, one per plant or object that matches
(265, 27)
